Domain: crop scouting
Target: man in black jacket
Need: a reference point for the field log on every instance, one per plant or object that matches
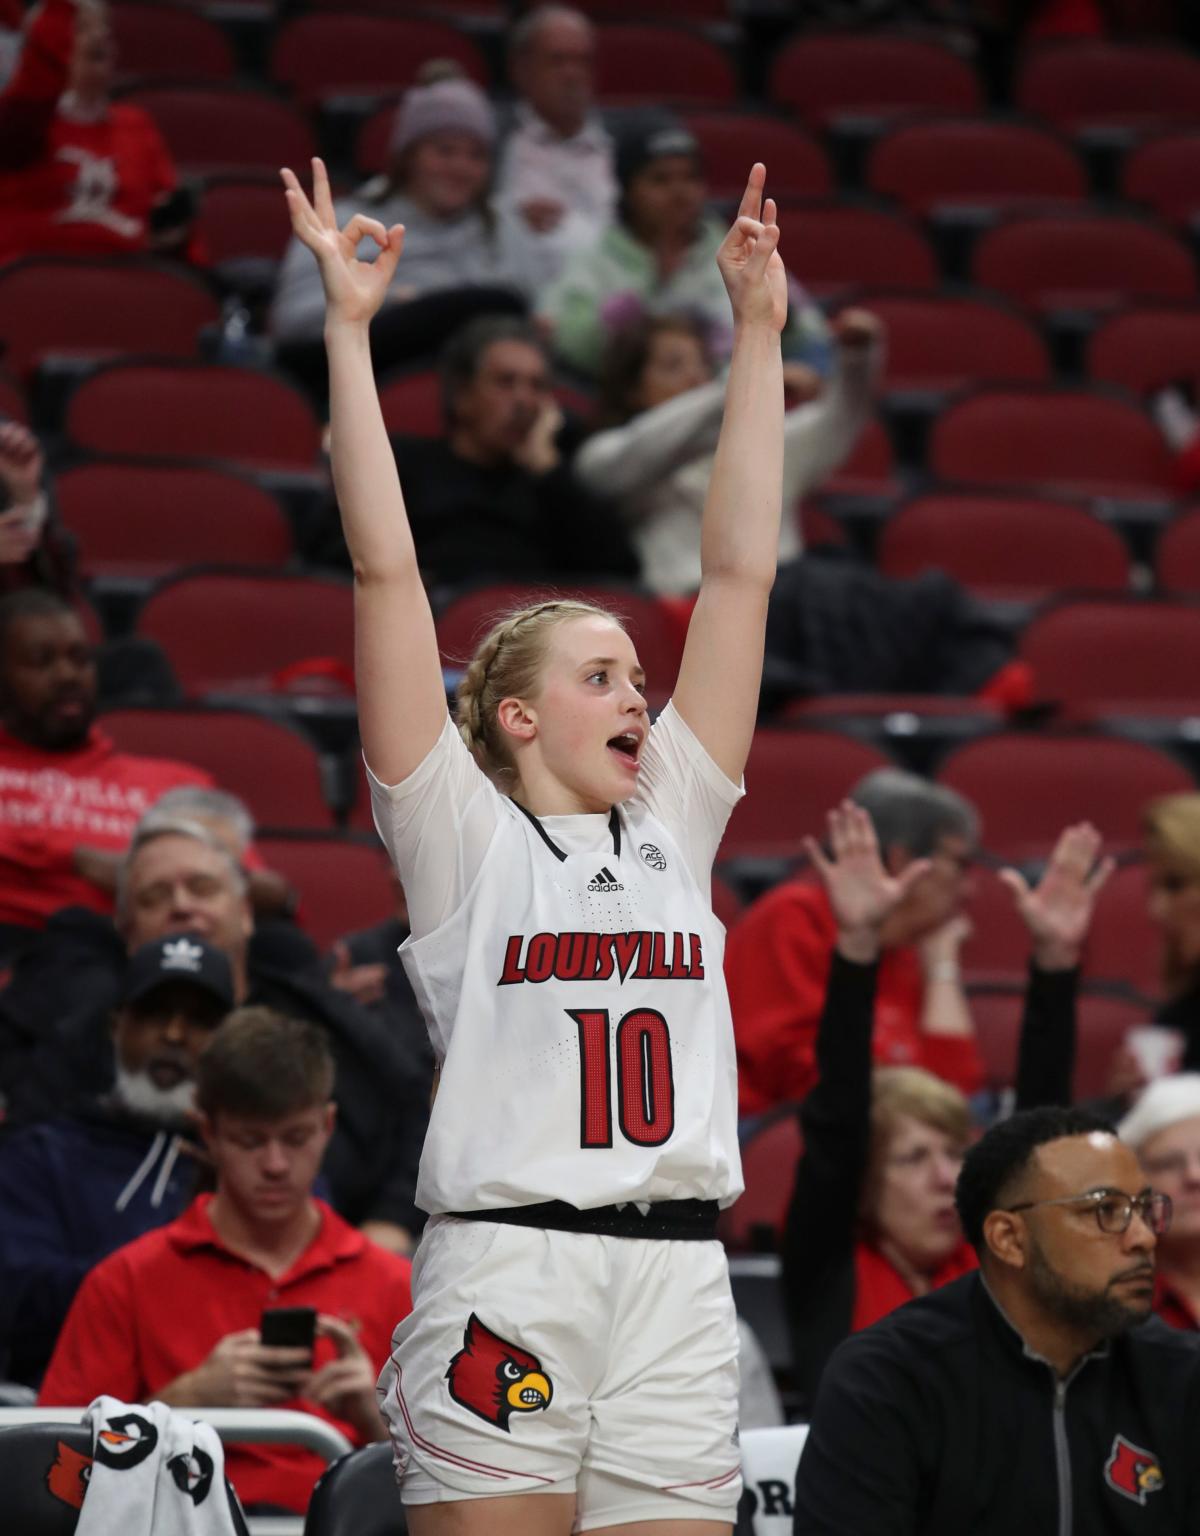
(1037, 1395)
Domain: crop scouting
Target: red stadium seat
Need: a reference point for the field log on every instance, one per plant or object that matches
(373, 138)
(1114, 657)
(644, 63)
(1072, 441)
(1163, 172)
(267, 764)
(12, 399)
(211, 128)
(200, 410)
(1005, 546)
(146, 520)
(936, 343)
(231, 632)
(57, 304)
(833, 247)
(1124, 945)
(869, 470)
(793, 779)
(730, 142)
(344, 886)
(1177, 555)
(412, 403)
(1087, 84)
(998, 946)
(1103, 1021)
(325, 53)
(1082, 261)
(657, 10)
(1028, 787)
(243, 216)
(166, 39)
(1143, 349)
(974, 162)
(769, 1158)
(727, 904)
(838, 75)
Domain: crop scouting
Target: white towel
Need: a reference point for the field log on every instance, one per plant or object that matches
(154, 1473)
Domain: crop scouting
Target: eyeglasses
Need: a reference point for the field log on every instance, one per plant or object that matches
(1114, 1210)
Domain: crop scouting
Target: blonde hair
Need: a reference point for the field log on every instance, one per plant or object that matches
(1171, 828)
(506, 665)
(900, 1091)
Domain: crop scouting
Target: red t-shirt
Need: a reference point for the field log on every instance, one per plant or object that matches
(879, 1288)
(777, 968)
(53, 802)
(155, 1309)
(70, 186)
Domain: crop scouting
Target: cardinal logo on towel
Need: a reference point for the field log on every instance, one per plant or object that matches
(67, 1477)
(126, 1441)
(496, 1379)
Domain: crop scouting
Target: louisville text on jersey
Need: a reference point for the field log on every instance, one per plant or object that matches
(641, 955)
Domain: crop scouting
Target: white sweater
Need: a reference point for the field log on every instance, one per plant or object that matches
(657, 466)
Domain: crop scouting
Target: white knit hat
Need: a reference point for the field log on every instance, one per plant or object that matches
(1165, 1102)
(451, 105)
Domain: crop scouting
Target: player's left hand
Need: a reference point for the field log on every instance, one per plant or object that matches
(1058, 910)
(749, 259)
(21, 462)
(345, 1387)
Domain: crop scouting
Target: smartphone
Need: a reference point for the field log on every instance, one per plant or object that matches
(292, 1327)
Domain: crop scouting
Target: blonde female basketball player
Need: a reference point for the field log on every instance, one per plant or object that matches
(570, 1363)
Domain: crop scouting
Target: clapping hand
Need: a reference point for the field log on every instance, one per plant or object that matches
(861, 891)
(750, 262)
(1058, 910)
(354, 290)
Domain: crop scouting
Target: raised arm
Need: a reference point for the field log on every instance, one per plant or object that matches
(717, 691)
(401, 697)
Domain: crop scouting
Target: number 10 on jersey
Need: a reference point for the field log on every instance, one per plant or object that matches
(641, 1046)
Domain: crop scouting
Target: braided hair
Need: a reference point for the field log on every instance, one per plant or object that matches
(505, 665)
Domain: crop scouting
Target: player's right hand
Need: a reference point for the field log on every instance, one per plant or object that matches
(354, 290)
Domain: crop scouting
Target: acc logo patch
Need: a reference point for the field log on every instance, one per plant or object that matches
(495, 1379)
(1132, 1471)
(126, 1441)
(653, 856)
(68, 1474)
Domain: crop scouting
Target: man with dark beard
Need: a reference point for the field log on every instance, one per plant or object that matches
(76, 1187)
(1038, 1394)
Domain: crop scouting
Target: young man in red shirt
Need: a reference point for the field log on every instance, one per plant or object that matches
(176, 1315)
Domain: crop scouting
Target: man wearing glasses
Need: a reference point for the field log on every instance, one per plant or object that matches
(1037, 1397)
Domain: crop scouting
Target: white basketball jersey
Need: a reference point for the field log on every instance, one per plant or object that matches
(577, 1003)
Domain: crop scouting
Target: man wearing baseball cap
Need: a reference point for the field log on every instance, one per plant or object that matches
(74, 1188)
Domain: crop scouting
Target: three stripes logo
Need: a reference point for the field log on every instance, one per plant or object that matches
(605, 881)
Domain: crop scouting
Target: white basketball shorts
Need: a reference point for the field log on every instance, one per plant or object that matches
(562, 1362)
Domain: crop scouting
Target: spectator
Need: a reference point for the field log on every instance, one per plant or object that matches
(79, 1186)
(778, 957)
(64, 785)
(1038, 1394)
(883, 1148)
(1163, 1128)
(178, 878)
(658, 256)
(175, 1314)
(663, 405)
(78, 172)
(1171, 828)
(455, 246)
(496, 497)
(34, 551)
(556, 161)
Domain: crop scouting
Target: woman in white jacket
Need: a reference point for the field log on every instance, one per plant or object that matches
(661, 392)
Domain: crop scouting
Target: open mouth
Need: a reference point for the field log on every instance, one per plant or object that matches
(627, 745)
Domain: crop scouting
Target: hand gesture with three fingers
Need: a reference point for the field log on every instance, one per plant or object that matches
(1058, 910)
(354, 290)
(750, 262)
(860, 890)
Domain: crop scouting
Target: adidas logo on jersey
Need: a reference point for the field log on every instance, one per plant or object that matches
(605, 881)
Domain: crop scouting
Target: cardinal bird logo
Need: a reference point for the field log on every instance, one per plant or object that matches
(496, 1379)
(1132, 1471)
(68, 1474)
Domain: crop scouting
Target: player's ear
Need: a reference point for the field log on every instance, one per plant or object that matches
(517, 719)
(1006, 1236)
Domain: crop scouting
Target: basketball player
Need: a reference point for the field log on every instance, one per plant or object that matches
(570, 1363)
